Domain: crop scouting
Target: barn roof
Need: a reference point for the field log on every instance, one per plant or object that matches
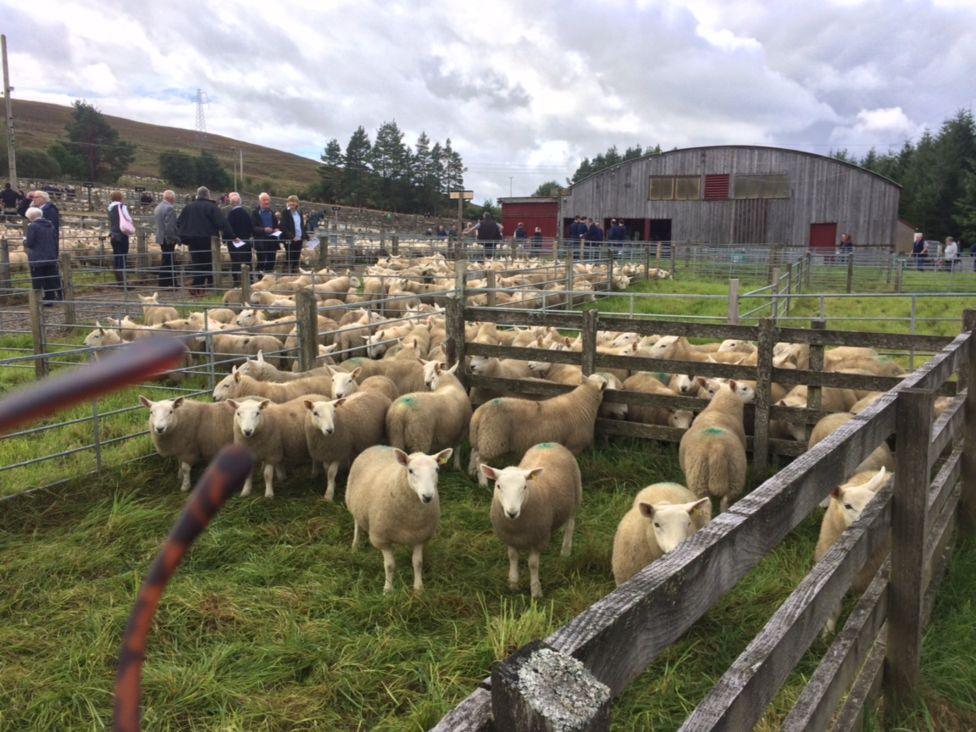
(738, 147)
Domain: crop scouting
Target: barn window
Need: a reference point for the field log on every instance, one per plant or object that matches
(717, 187)
(662, 188)
(687, 187)
(761, 186)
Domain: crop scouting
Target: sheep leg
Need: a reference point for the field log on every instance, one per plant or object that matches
(184, 476)
(473, 460)
(355, 535)
(535, 587)
(513, 569)
(330, 483)
(315, 468)
(246, 490)
(723, 505)
(269, 475)
(568, 537)
(457, 457)
(389, 564)
(418, 568)
(280, 472)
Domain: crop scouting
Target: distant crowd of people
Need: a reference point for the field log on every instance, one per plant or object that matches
(929, 254)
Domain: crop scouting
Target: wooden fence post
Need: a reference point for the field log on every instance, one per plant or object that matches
(909, 524)
(4, 264)
(322, 234)
(967, 501)
(773, 292)
(351, 243)
(674, 262)
(37, 331)
(539, 689)
(807, 270)
(609, 270)
(647, 262)
(67, 288)
(589, 341)
(492, 295)
(142, 247)
(218, 279)
(899, 275)
(246, 284)
(306, 313)
(765, 342)
(733, 310)
(850, 272)
(789, 285)
(888, 266)
(454, 322)
(395, 244)
(570, 274)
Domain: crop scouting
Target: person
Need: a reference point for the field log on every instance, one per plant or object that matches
(42, 200)
(199, 220)
(537, 239)
(25, 202)
(951, 253)
(920, 250)
(119, 227)
(41, 244)
(489, 234)
(520, 232)
(239, 245)
(293, 232)
(441, 231)
(167, 235)
(594, 236)
(8, 196)
(264, 223)
(846, 243)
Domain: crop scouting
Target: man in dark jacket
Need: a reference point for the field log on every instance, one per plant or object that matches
(9, 198)
(41, 244)
(264, 222)
(594, 238)
(293, 232)
(489, 234)
(238, 246)
(197, 223)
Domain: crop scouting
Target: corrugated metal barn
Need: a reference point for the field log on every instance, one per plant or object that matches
(740, 194)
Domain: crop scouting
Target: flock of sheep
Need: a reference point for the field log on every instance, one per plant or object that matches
(384, 405)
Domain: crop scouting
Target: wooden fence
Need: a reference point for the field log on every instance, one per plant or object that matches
(616, 638)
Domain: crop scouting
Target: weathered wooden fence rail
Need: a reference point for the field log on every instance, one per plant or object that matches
(618, 636)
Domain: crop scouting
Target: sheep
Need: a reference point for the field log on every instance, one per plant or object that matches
(102, 337)
(712, 452)
(508, 368)
(230, 344)
(507, 425)
(155, 314)
(408, 375)
(613, 410)
(274, 433)
(880, 457)
(338, 430)
(262, 370)
(647, 383)
(661, 517)
(431, 420)
(847, 503)
(382, 494)
(235, 385)
(531, 501)
(192, 432)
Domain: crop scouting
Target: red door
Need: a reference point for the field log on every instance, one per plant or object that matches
(823, 236)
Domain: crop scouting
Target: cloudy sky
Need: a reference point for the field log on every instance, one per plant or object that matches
(524, 90)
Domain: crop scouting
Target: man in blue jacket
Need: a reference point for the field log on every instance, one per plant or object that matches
(238, 245)
(41, 244)
(594, 237)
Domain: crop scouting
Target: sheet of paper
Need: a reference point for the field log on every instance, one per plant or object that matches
(312, 243)
(238, 243)
(276, 233)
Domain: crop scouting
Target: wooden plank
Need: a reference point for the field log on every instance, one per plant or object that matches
(471, 715)
(967, 509)
(588, 336)
(765, 343)
(893, 341)
(940, 368)
(942, 484)
(947, 427)
(938, 526)
(936, 571)
(696, 368)
(37, 331)
(909, 522)
(796, 415)
(688, 330)
(819, 699)
(864, 689)
(740, 697)
(512, 316)
(815, 393)
(306, 315)
(524, 354)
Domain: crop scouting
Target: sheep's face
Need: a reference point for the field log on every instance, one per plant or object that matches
(681, 418)
(247, 415)
(150, 299)
(746, 391)
(684, 385)
(671, 524)
(711, 387)
(322, 414)
(422, 471)
(479, 364)
(511, 487)
(729, 345)
(101, 337)
(601, 381)
(542, 367)
(344, 383)
(663, 347)
(246, 318)
(376, 344)
(162, 414)
(852, 499)
(624, 339)
(227, 387)
(433, 371)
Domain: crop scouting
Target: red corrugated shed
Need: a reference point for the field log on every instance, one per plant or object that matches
(716, 187)
(532, 211)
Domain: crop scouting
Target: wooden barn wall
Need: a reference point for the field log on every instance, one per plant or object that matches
(821, 190)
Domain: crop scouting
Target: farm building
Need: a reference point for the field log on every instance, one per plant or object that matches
(531, 211)
(740, 194)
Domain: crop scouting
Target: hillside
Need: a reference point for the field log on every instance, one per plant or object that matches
(38, 124)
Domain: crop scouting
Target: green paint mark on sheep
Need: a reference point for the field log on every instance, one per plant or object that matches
(714, 431)
(545, 445)
(496, 401)
(663, 377)
(408, 401)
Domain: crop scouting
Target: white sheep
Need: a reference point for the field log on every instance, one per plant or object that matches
(533, 500)
(236, 385)
(102, 338)
(507, 425)
(661, 517)
(274, 433)
(192, 432)
(431, 420)
(393, 498)
(155, 314)
(338, 430)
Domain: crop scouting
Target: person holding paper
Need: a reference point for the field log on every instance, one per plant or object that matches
(238, 246)
(264, 223)
(293, 233)
(198, 221)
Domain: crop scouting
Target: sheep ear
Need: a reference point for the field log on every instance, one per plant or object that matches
(453, 368)
(146, 402)
(401, 456)
(237, 376)
(178, 402)
(155, 296)
(837, 493)
(533, 472)
(733, 385)
(356, 372)
(489, 472)
(701, 382)
(234, 404)
(877, 481)
(264, 403)
(260, 358)
(700, 506)
(308, 405)
(646, 509)
(339, 402)
(444, 455)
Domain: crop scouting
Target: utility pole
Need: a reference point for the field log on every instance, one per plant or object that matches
(240, 153)
(8, 105)
(510, 185)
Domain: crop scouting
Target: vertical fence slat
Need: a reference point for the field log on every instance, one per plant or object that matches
(68, 289)
(913, 420)
(217, 265)
(733, 309)
(306, 312)
(967, 502)
(491, 284)
(765, 342)
(37, 331)
(4, 264)
(245, 284)
(588, 357)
